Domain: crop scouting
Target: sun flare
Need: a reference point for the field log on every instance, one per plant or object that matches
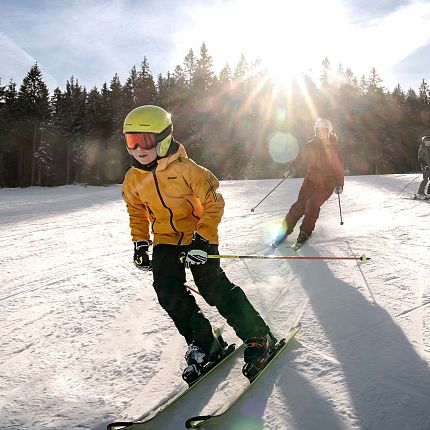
(288, 37)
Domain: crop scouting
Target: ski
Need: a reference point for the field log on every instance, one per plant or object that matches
(275, 244)
(198, 421)
(296, 246)
(145, 421)
(418, 197)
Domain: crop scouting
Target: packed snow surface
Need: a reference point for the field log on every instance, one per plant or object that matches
(84, 341)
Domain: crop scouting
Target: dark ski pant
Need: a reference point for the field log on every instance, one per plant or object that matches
(422, 187)
(213, 285)
(311, 198)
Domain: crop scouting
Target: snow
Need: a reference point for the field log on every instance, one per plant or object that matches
(84, 341)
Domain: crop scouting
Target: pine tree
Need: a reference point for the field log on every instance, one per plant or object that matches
(116, 103)
(177, 90)
(325, 74)
(129, 90)
(163, 85)
(225, 77)
(340, 75)
(145, 90)
(413, 104)
(350, 78)
(34, 108)
(203, 74)
(241, 70)
(189, 68)
(373, 82)
(363, 85)
(424, 93)
(399, 95)
(33, 97)
(240, 83)
(8, 121)
(74, 128)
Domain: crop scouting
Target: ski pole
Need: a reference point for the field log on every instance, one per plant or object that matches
(409, 183)
(270, 192)
(193, 290)
(362, 274)
(340, 210)
(362, 258)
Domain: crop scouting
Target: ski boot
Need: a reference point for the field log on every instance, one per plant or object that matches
(301, 239)
(422, 196)
(203, 356)
(258, 352)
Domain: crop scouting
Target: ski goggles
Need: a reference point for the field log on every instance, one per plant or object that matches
(144, 140)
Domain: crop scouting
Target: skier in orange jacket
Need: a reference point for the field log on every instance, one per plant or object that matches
(179, 201)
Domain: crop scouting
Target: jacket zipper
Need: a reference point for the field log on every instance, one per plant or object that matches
(164, 204)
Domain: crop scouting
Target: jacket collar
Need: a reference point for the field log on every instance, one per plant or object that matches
(176, 151)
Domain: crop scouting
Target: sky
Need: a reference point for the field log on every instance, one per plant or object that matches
(94, 39)
(84, 341)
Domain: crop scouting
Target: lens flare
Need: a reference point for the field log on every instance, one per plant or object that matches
(283, 147)
(113, 170)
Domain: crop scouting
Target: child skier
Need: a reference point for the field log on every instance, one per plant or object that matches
(179, 199)
(325, 174)
(424, 160)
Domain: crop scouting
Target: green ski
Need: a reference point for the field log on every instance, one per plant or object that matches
(201, 420)
(145, 421)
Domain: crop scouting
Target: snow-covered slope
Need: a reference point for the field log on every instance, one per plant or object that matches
(84, 341)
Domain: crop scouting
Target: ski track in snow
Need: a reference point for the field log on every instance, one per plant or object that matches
(84, 341)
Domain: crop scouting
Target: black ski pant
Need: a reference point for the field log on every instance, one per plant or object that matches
(215, 288)
(423, 184)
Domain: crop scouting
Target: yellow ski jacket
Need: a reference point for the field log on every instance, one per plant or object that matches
(176, 198)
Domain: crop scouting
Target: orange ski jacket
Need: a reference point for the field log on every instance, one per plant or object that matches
(176, 198)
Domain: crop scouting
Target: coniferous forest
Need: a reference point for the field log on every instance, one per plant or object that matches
(225, 121)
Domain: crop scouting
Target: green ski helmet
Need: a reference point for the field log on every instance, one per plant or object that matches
(148, 126)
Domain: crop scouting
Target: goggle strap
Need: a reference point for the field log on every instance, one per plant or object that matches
(162, 135)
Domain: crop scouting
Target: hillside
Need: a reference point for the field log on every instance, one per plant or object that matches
(84, 341)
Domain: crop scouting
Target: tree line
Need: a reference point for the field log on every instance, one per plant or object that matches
(226, 121)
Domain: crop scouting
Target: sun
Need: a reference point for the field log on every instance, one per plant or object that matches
(289, 37)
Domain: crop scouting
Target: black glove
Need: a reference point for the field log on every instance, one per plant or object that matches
(338, 189)
(141, 258)
(198, 252)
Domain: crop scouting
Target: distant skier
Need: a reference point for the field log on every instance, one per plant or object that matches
(325, 174)
(424, 160)
(178, 199)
